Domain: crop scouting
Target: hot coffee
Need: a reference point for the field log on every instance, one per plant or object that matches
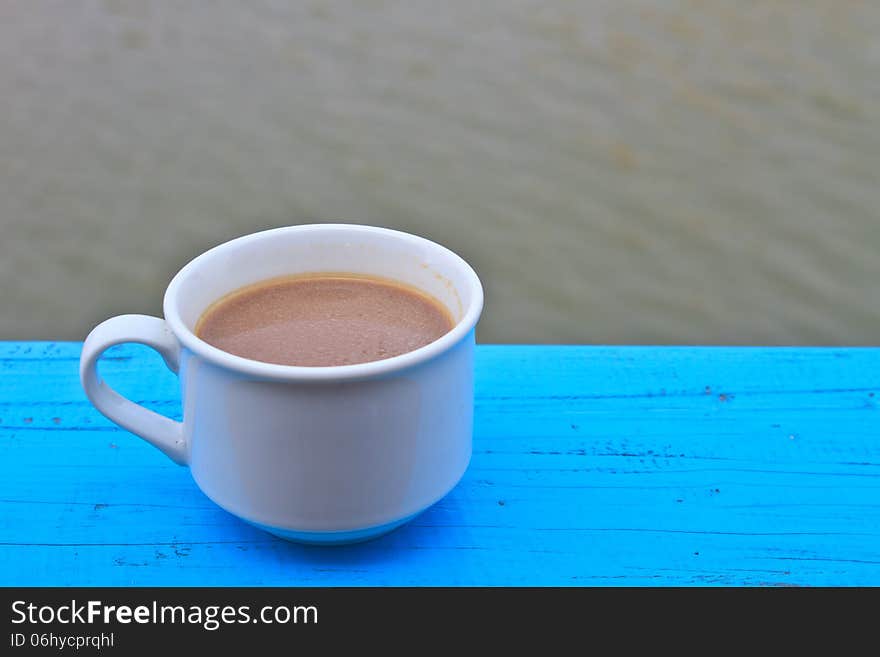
(323, 320)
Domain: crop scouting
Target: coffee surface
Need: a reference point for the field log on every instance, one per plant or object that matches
(322, 320)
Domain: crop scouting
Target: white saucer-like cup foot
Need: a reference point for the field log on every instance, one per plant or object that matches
(335, 537)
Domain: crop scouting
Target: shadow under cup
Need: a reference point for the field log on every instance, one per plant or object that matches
(327, 454)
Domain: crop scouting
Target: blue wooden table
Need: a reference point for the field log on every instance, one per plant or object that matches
(591, 466)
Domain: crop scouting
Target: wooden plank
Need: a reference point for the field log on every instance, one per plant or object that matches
(592, 465)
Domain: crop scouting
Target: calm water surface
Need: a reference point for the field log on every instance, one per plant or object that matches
(641, 171)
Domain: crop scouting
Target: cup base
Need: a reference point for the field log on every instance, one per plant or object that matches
(334, 537)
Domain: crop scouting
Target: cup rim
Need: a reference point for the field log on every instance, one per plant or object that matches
(294, 373)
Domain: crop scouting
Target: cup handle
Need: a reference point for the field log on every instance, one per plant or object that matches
(158, 430)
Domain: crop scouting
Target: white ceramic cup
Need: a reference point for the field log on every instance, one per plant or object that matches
(313, 454)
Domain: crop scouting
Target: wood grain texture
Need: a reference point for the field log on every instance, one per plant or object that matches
(591, 466)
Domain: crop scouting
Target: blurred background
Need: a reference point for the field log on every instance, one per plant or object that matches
(641, 171)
